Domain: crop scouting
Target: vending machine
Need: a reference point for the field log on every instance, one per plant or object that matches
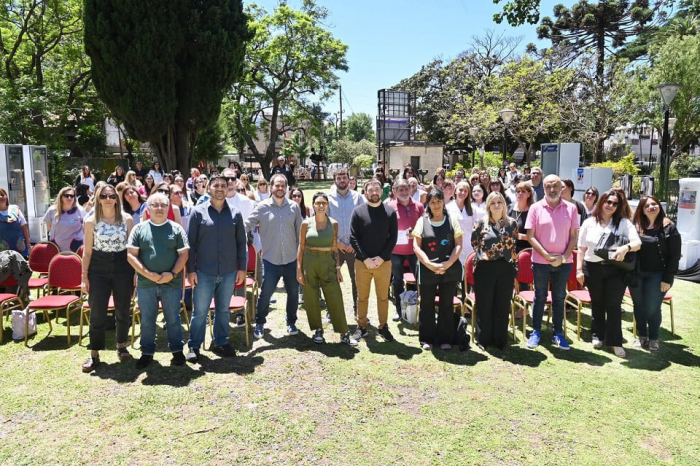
(24, 175)
(560, 158)
(592, 177)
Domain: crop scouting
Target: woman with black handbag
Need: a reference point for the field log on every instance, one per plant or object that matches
(658, 263)
(604, 241)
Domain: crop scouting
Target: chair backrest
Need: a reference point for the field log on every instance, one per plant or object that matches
(252, 266)
(80, 250)
(41, 255)
(525, 274)
(65, 271)
(469, 268)
(571, 282)
(9, 281)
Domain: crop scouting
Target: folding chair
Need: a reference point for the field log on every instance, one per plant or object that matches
(8, 302)
(136, 311)
(237, 303)
(39, 259)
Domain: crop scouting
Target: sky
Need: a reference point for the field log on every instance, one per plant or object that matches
(389, 40)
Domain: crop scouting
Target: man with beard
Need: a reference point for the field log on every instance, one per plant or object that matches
(280, 222)
(373, 233)
(552, 230)
(341, 203)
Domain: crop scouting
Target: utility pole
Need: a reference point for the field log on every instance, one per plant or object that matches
(340, 95)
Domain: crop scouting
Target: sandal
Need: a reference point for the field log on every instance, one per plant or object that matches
(123, 354)
(91, 364)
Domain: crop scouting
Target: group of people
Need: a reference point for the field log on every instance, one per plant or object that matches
(169, 230)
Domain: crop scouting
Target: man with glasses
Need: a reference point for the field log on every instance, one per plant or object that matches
(341, 202)
(536, 183)
(407, 214)
(280, 223)
(552, 230)
(217, 263)
(158, 251)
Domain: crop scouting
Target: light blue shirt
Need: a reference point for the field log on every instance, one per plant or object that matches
(279, 229)
(340, 209)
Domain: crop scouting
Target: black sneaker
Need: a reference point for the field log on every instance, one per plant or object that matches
(348, 340)
(178, 359)
(193, 356)
(240, 320)
(318, 336)
(359, 333)
(144, 361)
(225, 351)
(385, 333)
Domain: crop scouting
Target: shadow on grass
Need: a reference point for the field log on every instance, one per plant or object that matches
(303, 344)
(516, 354)
(579, 353)
(670, 353)
(459, 358)
(391, 348)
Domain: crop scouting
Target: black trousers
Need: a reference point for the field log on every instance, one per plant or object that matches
(444, 331)
(606, 283)
(109, 273)
(493, 289)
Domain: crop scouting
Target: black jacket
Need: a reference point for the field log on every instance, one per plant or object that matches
(661, 251)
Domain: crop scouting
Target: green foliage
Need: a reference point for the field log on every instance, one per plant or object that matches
(684, 166)
(363, 161)
(291, 59)
(163, 66)
(91, 139)
(209, 146)
(295, 146)
(518, 12)
(57, 171)
(358, 127)
(345, 151)
(624, 166)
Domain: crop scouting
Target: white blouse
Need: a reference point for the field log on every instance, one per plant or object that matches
(109, 237)
(591, 232)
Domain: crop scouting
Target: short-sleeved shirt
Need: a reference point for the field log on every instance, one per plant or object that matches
(456, 227)
(158, 247)
(552, 227)
(68, 227)
(591, 232)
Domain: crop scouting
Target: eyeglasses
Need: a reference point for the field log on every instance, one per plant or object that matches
(69, 196)
(297, 196)
(230, 178)
(198, 182)
(177, 193)
(241, 190)
(163, 191)
(589, 194)
(262, 184)
(320, 203)
(158, 206)
(611, 203)
(111, 196)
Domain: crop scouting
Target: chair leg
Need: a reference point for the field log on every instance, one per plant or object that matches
(673, 326)
(578, 322)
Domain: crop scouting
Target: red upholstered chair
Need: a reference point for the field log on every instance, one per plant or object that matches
(470, 298)
(8, 302)
(39, 258)
(65, 276)
(237, 303)
(251, 283)
(136, 312)
(80, 250)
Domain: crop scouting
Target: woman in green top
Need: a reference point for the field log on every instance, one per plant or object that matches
(318, 266)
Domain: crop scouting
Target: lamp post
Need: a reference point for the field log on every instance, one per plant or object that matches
(668, 93)
(506, 116)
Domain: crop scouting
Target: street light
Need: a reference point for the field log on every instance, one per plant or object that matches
(668, 92)
(506, 116)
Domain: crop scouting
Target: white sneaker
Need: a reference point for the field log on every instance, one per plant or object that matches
(597, 344)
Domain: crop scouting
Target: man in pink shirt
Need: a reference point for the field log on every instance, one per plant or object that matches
(407, 213)
(552, 230)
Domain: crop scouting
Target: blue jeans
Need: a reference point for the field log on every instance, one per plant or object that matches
(148, 304)
(648, 297)
(220, 288)
(397, 275)
(271, 276)
(558, 276)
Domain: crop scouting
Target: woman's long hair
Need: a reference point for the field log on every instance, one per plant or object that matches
(618, 215)
(489, 200)
(435, 192)
(640, 219)
(57, 204)
(118, 219)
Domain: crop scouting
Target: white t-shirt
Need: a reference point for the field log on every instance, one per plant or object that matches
(591, 231)
(467, 223)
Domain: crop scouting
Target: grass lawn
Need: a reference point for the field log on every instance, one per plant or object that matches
(287, 400)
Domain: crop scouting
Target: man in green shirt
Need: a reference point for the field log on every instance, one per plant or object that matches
(158, 251)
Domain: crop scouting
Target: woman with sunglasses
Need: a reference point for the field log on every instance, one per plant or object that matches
(298, 196)
(658, 263)
(64, 221)
(199, 190)
(318, 267)
(605, 281)
(590, 199)
(131, 179)
(173, 214)
(157, 173)
(106, 272)
(262, 192)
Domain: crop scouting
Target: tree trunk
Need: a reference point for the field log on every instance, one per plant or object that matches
(172, 149)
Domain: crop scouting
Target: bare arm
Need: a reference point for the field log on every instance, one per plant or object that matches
(300, 253)
(89, 231)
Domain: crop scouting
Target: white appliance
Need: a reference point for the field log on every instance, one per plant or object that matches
(560, 158)
(24, 175)
(689, 221)
(586, 177)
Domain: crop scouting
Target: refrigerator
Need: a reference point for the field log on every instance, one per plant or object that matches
(560, 158)
(585, 177)
(24, 175)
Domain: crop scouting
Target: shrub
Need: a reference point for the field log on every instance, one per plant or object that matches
(624, 166)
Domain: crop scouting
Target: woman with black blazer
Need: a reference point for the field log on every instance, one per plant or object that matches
(657, 264)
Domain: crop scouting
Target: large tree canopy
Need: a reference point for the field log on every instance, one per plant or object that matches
(163, 66)
(291, 60)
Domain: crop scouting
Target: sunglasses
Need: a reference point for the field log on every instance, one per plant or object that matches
(177, 193)
(198, 182)
(589, 194)
(241, 190)
(262, 184)
(611, 203)
(297, 196)
(230, 178)
(114, 197)
(164, 191)
(69, 196)
(320, 203)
